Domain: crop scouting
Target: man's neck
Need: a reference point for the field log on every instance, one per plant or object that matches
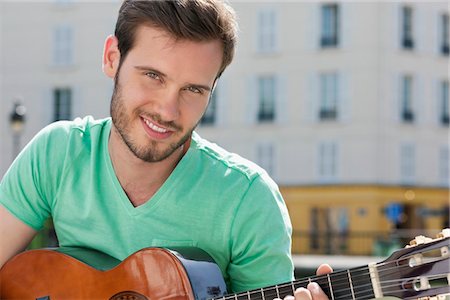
(139, 179)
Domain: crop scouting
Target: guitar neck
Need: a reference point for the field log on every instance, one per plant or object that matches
(354, 283)
(416, 272)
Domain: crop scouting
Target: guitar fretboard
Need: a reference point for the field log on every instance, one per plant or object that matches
(349, 284)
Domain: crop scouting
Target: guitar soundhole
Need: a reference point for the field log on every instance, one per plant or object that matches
(128, 295)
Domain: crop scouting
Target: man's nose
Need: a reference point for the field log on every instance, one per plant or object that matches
(168, 106)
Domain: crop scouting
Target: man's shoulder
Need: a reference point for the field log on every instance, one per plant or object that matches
(78, 129)
(226, 160)
(80, 125)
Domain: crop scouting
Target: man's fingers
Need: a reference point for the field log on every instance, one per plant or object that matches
(303, 294)
(316, 292)
(313, 290)
(324, 269)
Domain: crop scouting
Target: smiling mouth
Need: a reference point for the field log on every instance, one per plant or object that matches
(155, 127)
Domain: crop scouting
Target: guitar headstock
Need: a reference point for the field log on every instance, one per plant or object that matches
(419, 271)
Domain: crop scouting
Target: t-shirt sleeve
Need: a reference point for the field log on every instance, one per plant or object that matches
(261, 235)
(29, 186)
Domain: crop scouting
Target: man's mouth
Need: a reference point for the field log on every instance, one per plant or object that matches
(154, 127)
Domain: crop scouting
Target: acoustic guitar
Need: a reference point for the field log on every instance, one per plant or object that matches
(419, 271)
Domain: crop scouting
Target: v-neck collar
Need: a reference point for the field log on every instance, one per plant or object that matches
(176, 175)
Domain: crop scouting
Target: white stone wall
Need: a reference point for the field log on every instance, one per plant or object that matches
(369, 61)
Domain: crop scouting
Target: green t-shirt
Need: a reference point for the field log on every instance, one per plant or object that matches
(213, 200)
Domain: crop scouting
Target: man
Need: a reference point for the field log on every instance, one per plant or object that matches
(143, 177)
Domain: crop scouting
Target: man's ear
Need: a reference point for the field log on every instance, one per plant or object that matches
(111, 56)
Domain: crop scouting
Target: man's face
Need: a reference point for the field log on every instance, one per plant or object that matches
(161, 91)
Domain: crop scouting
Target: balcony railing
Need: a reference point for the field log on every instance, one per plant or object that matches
(376, 243)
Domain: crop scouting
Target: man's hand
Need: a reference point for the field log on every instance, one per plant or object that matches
(313, 290)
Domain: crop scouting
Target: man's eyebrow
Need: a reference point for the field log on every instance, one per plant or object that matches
(201, 86)
(146, 68)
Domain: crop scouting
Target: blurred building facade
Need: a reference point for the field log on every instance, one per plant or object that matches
(345, 104)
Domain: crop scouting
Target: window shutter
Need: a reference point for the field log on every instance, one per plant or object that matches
(436, 94)
(344, 101)
(282, 103)
(420, 31)
(222, 105)
(436, 33)
(79, 107)
(312, 33)
(399, 97)
(345, 22)
(276, 31)
(312, 101)
(397, 19)
(47, 107)
(444, 166)
(252, 100)
(419, 108)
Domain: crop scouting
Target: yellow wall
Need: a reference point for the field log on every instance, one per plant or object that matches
(365, 206)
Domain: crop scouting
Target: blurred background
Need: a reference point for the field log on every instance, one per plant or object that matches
(345, 104)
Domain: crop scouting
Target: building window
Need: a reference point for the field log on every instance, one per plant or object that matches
(62, 104)
(266, 98)
(265, 157)
(329, 95)
(327, 161)
(407, 163)
(444, 165)
(407, 28)
(444, 103)
(330, 26)
(209, 117)
(267, 31)
(445, 33)
(407, 113)
(63, 45)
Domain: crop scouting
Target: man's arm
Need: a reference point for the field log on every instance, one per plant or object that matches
(14, 235)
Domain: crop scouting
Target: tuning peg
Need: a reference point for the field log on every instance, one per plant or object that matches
(444, 233)
(420, 240)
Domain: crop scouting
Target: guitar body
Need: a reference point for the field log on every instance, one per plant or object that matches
(151, 273)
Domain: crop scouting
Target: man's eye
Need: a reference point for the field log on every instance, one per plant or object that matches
(152, 75)
(194, 90)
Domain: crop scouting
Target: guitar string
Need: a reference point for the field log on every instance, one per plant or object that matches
(357, 294)
(336, 285)
(388, 290)
(339, 278)
(392, 286)
(384, 271)
(282, 286)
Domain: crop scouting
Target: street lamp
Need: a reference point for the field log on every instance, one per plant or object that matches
(17, 123)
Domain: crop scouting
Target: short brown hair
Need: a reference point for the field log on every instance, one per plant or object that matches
(195, 20)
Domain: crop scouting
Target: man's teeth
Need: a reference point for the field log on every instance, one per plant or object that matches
(154, 127)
